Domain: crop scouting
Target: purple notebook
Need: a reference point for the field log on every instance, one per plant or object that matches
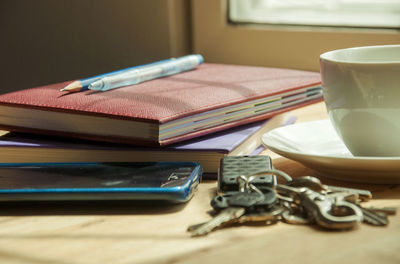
(224, 141)
(206, 150)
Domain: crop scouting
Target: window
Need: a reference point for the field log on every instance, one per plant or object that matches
(343, 13)
(244, 42)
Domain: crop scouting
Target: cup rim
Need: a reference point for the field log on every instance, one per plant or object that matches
(327, 56)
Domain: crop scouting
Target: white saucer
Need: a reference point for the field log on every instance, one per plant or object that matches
(317, 146)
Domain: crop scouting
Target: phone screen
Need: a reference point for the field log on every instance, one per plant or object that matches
(94, 175)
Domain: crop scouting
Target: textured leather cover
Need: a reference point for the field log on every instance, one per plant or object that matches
(208, 87)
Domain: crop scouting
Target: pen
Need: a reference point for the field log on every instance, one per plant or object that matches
(142, 74)
(83, 84)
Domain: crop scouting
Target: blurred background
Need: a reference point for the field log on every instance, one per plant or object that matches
(49, 41)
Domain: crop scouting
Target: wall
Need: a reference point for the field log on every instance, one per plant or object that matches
(48, 41)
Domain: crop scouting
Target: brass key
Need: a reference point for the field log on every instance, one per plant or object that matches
(232, 209)
(227, 215)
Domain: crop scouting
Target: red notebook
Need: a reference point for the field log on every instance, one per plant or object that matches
(210, 98)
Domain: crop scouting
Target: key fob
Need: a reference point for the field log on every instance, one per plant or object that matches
(232, 167)
(270, 198)
(242, 199)
(220, 202)
(248, 200)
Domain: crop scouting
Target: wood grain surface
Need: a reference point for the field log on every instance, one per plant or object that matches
(151, 233)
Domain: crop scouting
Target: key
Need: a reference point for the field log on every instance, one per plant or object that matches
(244, 199)
(220, 202)
(295, 214)
(373, 218)
(261, 200)
(240, 207)
(269, 200)
(377, 216)
(266, 210)
(272, 215)
(320, 207)
(225, 216)
(238, 203)
(195, 226)
(364, 195)
(293, 218)
(383, 210)
(315, 184)
(310, 182)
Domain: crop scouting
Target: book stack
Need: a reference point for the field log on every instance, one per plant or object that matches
(199, 115)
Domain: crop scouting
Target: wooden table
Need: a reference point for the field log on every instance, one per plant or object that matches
(157, 234)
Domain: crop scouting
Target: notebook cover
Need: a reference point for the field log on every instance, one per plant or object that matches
(222, 142)
(206, 150)
(208, 87)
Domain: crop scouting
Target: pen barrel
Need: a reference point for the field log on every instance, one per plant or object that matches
(180, 65)
(143, 74)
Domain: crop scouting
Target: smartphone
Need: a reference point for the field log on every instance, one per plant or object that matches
(168, 181)
(231, 167)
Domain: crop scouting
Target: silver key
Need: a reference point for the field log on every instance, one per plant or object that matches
(294, 214)
(383, 210)
(226, 216)
(378, 216)
(238, 203)
(363, 195)
(195, 226)
(322, 209)
(310, 182)
(292, 218)
(315, 184)
(270, 216)
(373, 218)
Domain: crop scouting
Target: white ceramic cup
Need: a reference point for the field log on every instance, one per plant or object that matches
(361, 88)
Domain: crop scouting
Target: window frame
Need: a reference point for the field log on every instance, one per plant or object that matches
(296, 47)
(343, 14)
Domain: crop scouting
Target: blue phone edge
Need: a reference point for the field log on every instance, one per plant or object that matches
(180, 193)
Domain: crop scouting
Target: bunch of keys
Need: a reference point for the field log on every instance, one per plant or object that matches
(249, 204)
(341, 203)
(303, 200)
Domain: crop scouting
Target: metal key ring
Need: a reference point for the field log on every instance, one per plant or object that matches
(243, 182)
(282, 174)
(245, 185)
(246, 181)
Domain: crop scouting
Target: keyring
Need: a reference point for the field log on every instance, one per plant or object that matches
(282, 174)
